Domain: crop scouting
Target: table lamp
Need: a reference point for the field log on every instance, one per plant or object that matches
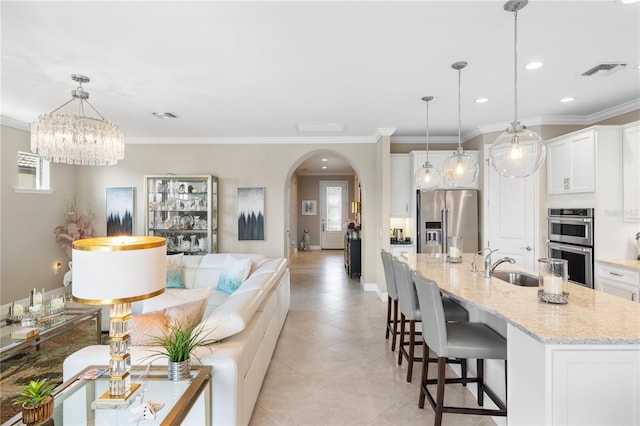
(116, 271)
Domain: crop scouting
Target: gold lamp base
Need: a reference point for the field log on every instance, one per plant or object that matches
(110, 402)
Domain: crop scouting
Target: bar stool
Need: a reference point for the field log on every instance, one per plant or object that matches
(459, 340)
(392, 298)
(410, 311)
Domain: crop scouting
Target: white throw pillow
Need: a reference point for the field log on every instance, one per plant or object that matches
(173, 297)
(234, 272)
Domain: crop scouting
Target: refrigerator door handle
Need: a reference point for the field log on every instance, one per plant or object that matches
(445, 229)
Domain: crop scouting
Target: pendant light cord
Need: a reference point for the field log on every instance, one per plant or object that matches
(459, 108)
(427, 102)
(515, 72)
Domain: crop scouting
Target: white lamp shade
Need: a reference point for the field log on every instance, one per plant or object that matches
(460, 170)
(427, 177)
(112, 270)
(518, 152)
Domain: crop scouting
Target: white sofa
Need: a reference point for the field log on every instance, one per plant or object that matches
(252, 318)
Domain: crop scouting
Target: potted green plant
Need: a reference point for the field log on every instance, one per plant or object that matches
(178, 345)
(37, 401)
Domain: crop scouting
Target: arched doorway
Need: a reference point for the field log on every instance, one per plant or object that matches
(307, 205)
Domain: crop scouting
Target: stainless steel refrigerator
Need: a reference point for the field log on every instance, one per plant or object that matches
(447, 213)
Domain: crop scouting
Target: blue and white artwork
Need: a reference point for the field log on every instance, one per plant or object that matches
(251, 214)
(119, 211)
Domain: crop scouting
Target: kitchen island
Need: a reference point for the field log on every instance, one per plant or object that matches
(577, 363)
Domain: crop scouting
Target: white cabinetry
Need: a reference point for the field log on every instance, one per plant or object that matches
(398, 249)
(631, 172)
(571, 163)
(620, 282)
(401, 185)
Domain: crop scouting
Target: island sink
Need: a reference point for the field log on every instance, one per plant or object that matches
(517, 278)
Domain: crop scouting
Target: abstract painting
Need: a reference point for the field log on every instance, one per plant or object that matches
(251, 214)
(309, 207)
(119, 211)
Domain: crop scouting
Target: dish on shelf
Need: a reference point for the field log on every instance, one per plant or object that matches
(186, 221)
(202, 224)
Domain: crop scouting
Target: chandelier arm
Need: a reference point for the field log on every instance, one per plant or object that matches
(62, 106)
(93, 108)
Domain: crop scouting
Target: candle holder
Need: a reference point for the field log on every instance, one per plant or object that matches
(454, 254)
(553, 281)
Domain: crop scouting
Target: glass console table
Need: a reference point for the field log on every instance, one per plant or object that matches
(73, 398)
(73, 316)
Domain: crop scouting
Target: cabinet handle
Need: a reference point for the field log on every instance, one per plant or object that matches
(527, 248)
(616, 274)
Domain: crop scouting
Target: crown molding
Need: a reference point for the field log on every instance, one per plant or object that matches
(16, 124)
(248, 140)
(421, 139)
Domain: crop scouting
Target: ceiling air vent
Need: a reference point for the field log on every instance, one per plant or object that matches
(163, 115)
(603, 69)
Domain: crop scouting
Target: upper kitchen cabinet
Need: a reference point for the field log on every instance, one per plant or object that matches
(401, 185)
(631, 172)
(184, 210)
(571, 163)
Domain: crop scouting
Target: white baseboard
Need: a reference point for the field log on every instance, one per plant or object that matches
(373, 287)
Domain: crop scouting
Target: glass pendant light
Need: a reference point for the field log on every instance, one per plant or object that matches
(518, 152)
(460, 169)
(427, 176)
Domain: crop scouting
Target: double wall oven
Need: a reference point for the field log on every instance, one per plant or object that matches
(571, 238)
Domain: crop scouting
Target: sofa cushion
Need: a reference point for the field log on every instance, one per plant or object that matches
(233, 315)
(174, 271)
(173, 297)
(146, 327)
(234, 272)
(190, 312)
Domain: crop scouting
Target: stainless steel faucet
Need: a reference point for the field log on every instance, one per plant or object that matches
(495, 265)
(474, 266)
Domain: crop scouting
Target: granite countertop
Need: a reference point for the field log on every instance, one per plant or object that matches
(632, 265)
(590, 317)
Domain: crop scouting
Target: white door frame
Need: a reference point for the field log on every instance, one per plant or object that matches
(327, 240)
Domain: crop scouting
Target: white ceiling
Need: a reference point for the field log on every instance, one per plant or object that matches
(253, 71)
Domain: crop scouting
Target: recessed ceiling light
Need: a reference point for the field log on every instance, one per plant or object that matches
(482, 100)
(324, 159)
(324, 167)
(627, 1)
(567, 99)
(533, 65)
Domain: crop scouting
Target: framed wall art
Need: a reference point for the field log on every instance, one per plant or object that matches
(309, 207)
(251, 214)
(120, 211)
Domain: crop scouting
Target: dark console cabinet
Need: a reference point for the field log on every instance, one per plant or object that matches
(352, 255)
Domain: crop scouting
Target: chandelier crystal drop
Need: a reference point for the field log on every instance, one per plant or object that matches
(460, 169)
(427, 176)
(518, 152)
(77, 138)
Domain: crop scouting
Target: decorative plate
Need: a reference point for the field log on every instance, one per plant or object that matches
(186, 221)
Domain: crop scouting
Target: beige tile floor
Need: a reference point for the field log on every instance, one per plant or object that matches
(332, 364)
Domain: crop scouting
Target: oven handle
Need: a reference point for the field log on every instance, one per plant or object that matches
(576, 221)
(570, 248)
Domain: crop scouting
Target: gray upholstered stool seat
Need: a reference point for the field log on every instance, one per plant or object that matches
(457, 340)
(410, 311)
(392, 298)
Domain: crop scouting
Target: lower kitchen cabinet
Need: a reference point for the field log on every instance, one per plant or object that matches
(352, 256)
(620, 282)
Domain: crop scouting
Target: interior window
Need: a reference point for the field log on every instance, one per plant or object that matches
(33, 172)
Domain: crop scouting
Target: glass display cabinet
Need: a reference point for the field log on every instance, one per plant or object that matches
(184, 210)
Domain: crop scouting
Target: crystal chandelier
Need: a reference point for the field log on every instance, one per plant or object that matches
(76, 138)
(460, 169)
(427, 176)
(518, 152)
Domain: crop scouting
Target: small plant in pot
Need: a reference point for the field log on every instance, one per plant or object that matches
(37, 402)
(178, 345)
